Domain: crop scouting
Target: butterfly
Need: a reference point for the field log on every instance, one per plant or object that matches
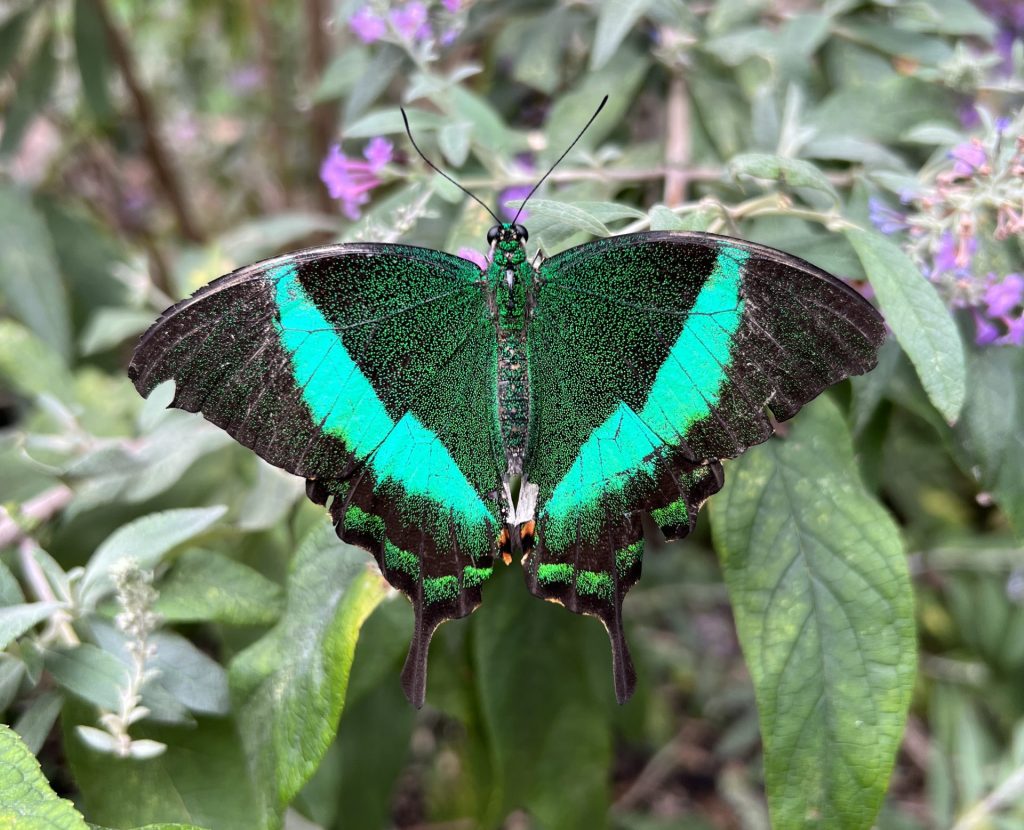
(452, 417)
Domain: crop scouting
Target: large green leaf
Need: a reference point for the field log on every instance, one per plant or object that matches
(544, 695)
(30, 282)
(15, 620)
(614, 21)
(992, 428)
(92, 55)
(26, 800)
(291, 685)
(823, 605)
(201, 778)
(145, 540)
(920, 321)
(790, 172)
(31, 94)
(205, 585)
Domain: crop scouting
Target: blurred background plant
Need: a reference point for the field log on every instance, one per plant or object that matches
(179, 626)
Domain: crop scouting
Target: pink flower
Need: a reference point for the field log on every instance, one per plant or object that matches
(475, 257)
(351, 180)
(367, 26)
(410, 21)
(452, 5)
(968, 158)
(379, 151)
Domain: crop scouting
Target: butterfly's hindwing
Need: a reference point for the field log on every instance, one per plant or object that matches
(651, 357)
(369, 370)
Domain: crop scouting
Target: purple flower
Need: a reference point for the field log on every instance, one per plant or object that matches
(367, 26)
(351, 180)
(1002, 123)
(410, 21)
(246, 78)
(968, 115)
(379, 151)
(968, 157)
(1004, 296)
(475, 257)
(1014, 333)
(452, 5)
(512, 194)
(945, 256)
(985, 330)
(885, 218)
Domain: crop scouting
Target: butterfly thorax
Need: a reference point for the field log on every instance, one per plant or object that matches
(509, 281)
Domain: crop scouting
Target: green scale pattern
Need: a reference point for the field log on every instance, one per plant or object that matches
(410, 389)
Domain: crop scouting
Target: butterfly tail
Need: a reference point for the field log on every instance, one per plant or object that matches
(414, 673)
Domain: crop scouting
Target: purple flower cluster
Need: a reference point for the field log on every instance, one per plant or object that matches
(352, 179)
(1008, 15)
(408, 21)
(981, 188)
(1001, 321)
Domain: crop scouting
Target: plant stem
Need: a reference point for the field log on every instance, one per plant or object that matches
(1006, 794)
(677, 141)
(60, 622)
(322, 118)
(159, 158)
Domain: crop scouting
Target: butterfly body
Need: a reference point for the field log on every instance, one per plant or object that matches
(450, 416)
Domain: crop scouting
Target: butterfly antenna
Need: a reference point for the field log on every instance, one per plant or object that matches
(559, 161)
(437, 169)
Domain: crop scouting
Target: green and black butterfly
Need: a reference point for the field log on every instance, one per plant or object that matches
(451, 416)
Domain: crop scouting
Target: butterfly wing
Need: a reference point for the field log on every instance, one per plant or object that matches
(370, 371)
(652, 356)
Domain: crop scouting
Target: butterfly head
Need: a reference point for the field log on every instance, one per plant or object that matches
(508, 237)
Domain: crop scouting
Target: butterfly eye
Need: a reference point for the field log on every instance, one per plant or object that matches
(522, 233)
(492, 235)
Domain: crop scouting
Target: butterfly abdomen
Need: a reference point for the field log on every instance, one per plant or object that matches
(513, 398)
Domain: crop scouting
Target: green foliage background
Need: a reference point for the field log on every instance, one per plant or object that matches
(865, 563)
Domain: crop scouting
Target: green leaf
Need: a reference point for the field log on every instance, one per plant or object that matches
(29, 365)
(489, 130)
(26, 800)
(564, 213)
(208, 586)
(454, 140)
(35, 723)
(271, 498)
(790, 172)
(146, 540)
(290, 685)
(265, 236)
(11, 33)
(922, 324)
(378, 76)
(624, 74)
(92, 53)
(342, 74)
(389, 121)
(89, 672)
(200, 778)
(546, 757)
(824, 610)
(30, 283)
(30, 96)
(614, 21)
(15, 620)
(185, 678)
(110, 327)
(992, 428)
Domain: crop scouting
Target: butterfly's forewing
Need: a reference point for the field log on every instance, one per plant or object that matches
(369, 370)
(652, 356)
